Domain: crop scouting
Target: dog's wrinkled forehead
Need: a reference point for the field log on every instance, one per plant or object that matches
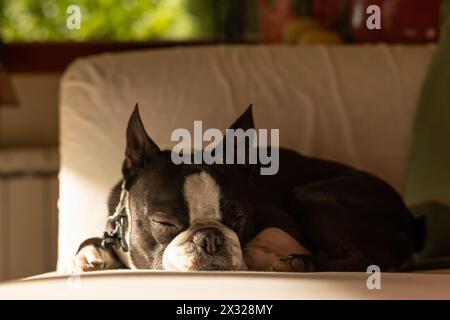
(202, 195)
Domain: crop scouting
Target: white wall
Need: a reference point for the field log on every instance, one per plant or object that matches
(35, 122)
(28, 229)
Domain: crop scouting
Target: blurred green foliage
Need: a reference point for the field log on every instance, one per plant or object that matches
(122, 20)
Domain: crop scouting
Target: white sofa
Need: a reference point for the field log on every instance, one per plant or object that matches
(353, 104)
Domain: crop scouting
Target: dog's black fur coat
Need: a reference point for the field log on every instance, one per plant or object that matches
(347, 218)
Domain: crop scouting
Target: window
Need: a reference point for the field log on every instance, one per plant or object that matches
(113, 20)
(38, 39)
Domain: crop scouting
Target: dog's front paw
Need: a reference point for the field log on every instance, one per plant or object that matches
(295, 263)
(89, 258)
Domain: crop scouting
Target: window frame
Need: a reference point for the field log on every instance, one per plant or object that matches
(40, 57)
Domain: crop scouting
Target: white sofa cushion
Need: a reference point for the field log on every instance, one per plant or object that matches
(353, 104)
(135, 284)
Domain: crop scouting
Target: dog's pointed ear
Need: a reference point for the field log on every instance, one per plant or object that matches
(140, 148)
(245, 121)
(246, 124)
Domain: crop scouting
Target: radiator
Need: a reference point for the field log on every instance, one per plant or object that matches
(28, 211)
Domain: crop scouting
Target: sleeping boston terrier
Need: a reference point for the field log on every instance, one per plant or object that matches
(313, 215)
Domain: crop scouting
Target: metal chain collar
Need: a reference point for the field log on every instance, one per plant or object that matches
(117, 224)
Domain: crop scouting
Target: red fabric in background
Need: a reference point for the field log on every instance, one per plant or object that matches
(328, 12)
(273, 16)
(402, 21)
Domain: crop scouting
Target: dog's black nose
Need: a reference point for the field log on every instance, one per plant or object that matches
(209, 240)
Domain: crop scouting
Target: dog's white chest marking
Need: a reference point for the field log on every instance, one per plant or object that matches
(202, 195)
(268, 246)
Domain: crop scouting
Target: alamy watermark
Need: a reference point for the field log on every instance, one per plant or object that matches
(237, 146)
(374, 280)
(73, 20)
(73, 281)
(374, 20)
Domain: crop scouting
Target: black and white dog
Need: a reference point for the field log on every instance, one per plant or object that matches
(313, 215)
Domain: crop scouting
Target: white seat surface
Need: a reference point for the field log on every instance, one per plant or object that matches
(126, 284)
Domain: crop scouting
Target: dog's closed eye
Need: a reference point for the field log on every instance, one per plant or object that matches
(164, 223)
(164, 220)
(165, 227)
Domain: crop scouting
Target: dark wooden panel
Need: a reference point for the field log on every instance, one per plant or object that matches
(56, 56)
